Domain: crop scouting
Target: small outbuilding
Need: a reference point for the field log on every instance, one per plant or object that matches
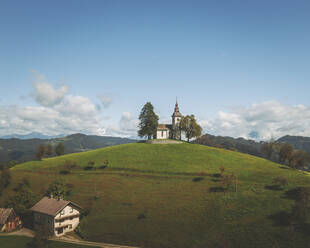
(9, 221)
(57, 215)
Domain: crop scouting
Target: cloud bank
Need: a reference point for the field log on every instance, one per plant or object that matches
(263, 121)
(59, 112)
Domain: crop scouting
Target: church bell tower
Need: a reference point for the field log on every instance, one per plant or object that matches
(176, 118)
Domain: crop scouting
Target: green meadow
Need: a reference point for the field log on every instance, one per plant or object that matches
(169, 195)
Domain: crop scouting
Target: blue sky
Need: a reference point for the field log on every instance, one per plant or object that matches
(231, 63)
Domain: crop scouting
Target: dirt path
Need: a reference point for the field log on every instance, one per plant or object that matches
(28, 233)
(93, 244)
(21, 232)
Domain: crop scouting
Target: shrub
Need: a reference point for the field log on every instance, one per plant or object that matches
(5, 178)
(282, 181)
(64, 172)
(222, 170)
(202, 174)
(229, 180)
(301, 209)
(69, 186)
(69, 165)
(58, 189)
(96, 197)
(91, 163)
(141, 216)
(197, 179)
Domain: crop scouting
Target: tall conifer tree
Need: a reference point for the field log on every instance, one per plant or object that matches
(148, 122)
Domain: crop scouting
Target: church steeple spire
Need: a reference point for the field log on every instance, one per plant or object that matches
(176, 112)
(176, 108)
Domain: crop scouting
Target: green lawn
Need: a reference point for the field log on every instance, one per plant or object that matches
(21, 242)
(148, 196)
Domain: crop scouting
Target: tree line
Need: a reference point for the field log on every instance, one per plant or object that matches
(49, 150)
(279, 152)
(149, 123)
(285, 153)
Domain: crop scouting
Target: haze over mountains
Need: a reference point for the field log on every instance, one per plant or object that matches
(33, 135)
(22, 149)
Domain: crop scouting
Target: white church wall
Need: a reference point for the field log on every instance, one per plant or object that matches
(162, 134)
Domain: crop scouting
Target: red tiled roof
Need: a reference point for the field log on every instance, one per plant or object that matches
(164, 126)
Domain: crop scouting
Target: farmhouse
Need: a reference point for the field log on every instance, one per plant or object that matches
(57, 215)
(9, 221)
(170, 131)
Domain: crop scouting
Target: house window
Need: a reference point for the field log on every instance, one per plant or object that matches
(162, 133)
(70, 226)
(71, 210)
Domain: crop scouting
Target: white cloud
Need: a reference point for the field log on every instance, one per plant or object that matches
(105, 100)
(45, 94)
(22, 120)
(126, 127)
(58, 113)
(76, 106)
(261, 121)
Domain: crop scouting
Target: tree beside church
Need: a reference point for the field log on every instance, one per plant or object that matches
(191, 128)
(148, 122)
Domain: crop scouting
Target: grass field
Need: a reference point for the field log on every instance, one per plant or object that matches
(21, 242)
(150, 196)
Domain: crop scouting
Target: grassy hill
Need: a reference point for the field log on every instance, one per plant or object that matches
(156, 195)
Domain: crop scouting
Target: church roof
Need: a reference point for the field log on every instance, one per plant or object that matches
(164, 126)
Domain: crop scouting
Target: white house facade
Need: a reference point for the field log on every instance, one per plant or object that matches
(170, 131)
(57, 215)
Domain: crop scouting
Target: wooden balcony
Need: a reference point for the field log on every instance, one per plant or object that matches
(66, 217)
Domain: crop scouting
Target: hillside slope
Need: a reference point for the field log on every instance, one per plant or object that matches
(172, 158)
(154, 195)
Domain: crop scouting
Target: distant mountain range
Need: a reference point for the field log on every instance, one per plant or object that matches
(250, 146)
(22, 149)
(33, 135)
(239, 144)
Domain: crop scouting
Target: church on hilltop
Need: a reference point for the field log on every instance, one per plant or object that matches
(170, 131)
